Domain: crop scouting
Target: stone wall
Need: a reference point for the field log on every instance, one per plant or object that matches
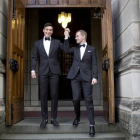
(126, 25)
(3, 39)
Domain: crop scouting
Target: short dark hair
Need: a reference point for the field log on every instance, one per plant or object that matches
(48, 24)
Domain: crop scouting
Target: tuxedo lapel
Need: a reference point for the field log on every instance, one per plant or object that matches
(51, 46)
(86, 53)
(43, 48)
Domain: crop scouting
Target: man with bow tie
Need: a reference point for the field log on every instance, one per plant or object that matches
(83, 74)
(47, 50)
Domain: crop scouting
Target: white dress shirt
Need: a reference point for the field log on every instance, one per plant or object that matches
(82, 50)
(47, 45)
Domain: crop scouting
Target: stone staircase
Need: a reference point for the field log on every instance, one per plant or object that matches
(29, 129)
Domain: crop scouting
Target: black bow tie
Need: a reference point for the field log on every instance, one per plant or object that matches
(83, 45)
(47, 39)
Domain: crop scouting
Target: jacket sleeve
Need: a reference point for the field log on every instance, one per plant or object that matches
(65, 46)
(67, 49)
(94, 64)
(60, 45)
(34, 57)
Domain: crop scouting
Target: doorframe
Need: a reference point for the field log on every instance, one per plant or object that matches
(101, 5)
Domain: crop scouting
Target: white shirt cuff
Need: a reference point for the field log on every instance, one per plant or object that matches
(32, 71)
(66, 37)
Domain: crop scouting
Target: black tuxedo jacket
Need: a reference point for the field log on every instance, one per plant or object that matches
(47, 62)
(88, 64)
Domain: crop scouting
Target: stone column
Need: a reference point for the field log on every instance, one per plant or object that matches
(3, 44)
(126, 23)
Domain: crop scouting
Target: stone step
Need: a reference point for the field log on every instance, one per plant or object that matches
(32, 126)
(63, 108)
(83, 136)
(64, 103)
(60, 114)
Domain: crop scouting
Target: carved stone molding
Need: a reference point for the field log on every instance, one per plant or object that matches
(64, 3)
(128, 104)
(128, 60)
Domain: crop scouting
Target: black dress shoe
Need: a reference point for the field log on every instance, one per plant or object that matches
(75, 122)
(43, 123)
(54, 122)
(92, 131)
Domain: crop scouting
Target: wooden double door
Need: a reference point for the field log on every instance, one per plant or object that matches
(16, 45)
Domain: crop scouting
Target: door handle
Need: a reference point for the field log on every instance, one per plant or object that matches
(106, 65)
(14, 66)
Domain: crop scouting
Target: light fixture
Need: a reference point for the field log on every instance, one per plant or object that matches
(69, 17)
(64, 19)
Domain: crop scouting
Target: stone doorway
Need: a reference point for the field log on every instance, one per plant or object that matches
(35, 19)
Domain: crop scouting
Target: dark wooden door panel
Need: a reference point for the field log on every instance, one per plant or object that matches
(108, 75)
(15, 51)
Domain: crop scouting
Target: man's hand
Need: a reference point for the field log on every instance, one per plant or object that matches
(67, 29)
(66, 33)
(94, 81)
(33, 75)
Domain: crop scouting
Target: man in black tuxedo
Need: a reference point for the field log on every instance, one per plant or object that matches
(83, 75)
(47, 50)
